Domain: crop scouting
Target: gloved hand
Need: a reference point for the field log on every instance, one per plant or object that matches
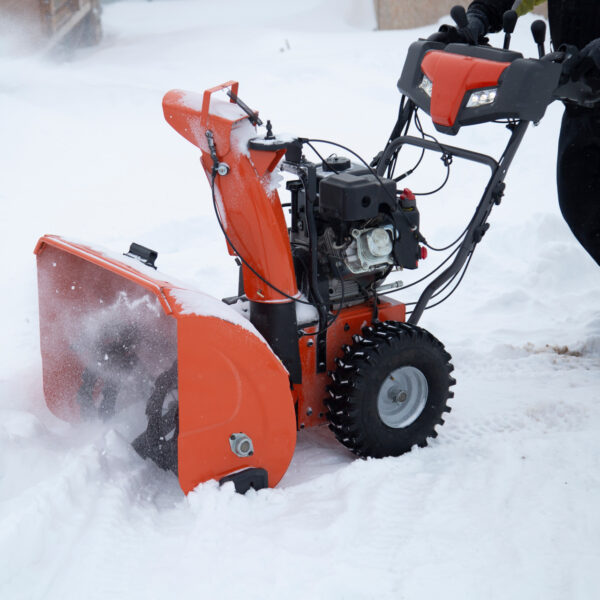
(586, 65)
(472, 34)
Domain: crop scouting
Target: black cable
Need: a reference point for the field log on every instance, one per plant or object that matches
(446, 157)
(336, 315)
(455, 287)
(419, 127)
(405, 287)
(464, 270)
(410, 108)
(437, 189)
(411, 170)
(443, 288)
(450, 245)
(392, 165)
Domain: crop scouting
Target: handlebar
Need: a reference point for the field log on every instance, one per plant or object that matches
(579, 92)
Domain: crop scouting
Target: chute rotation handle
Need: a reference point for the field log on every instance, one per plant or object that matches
(234, 85)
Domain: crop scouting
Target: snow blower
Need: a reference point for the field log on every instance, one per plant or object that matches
(312, 336)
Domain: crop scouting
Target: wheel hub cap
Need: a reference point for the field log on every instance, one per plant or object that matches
(402, 397)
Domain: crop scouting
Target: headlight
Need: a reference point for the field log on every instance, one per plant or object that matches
(482, 97)
(426, 85)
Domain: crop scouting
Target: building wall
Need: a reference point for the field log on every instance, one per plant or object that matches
(406, 14)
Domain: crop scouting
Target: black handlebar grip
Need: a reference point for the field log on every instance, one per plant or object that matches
(509, 21)
(538, 29)
(459, 16)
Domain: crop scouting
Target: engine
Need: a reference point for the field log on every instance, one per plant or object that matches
(349, 229)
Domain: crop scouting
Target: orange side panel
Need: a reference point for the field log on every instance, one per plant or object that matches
(452, 76)
(265, 161)
(230, 382)
(311, 394)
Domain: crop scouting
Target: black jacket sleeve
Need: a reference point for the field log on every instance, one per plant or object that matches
(490, 12)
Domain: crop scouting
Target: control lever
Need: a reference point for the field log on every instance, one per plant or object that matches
(538, 30)
(459, 16)
(254, 119)
(509, 21)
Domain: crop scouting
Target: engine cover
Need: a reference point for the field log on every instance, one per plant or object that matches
(351, 196)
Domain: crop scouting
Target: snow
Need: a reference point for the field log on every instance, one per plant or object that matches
(503, 504)
(241, 133)
(194, 302)
(225, 109)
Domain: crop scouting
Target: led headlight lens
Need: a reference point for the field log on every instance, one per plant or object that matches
(426, 85)
(482, 97)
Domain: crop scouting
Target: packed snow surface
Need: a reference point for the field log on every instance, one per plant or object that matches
(503, 504)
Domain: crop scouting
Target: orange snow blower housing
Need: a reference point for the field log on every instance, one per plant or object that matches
(112, 333)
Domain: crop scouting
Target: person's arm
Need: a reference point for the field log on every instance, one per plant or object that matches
(586, 65)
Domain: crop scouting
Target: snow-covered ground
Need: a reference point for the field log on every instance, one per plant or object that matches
(503, 504)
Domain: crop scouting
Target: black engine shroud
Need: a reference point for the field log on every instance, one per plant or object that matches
(349, 229)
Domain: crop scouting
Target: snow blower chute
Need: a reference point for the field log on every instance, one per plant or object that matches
(310, 337)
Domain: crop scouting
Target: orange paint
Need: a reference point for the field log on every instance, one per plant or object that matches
(312, 392)
(453, 75)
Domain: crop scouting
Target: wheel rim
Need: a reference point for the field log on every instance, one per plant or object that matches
(402, 397)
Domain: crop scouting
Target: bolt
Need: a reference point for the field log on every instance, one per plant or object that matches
(223, 169)
(309, 411)
(401, 397)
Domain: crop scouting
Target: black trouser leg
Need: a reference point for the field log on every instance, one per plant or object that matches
(578, 176)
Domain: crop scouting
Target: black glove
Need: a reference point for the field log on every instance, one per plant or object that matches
(586, 65)
(472, 34)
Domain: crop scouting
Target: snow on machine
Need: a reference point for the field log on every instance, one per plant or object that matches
(312, 336)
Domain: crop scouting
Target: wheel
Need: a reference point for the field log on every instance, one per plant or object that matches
(390, 390)
(159, 441)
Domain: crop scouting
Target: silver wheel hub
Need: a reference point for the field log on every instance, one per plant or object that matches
(402, 397)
